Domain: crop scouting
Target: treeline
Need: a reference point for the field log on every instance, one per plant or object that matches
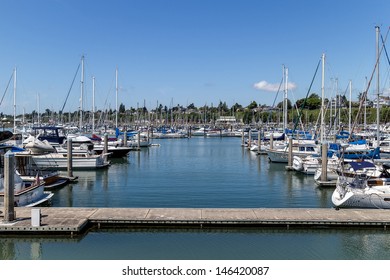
(304, 111)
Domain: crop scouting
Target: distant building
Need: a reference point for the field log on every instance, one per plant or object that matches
(383, 101)
(227, 121)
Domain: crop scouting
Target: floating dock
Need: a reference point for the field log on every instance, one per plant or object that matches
(76, 221)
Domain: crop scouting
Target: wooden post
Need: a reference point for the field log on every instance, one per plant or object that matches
(271, 141)
(125, 138)
(290, 151)
(105, 147)
(9, 185)
(242, 137)
(70, 157)
(324, 164)
(139, 139)
(249, 138)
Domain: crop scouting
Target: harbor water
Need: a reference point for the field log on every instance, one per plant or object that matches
(198, 173)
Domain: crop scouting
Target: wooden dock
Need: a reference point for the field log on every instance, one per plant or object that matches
(75, 221)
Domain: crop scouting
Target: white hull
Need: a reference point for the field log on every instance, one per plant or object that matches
(299, 148)
(29, 197)
(282, 156)
(347, 195)
(278, 156)
(306, 165)
(60, 161)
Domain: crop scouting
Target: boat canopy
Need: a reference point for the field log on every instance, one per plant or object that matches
(356, 165)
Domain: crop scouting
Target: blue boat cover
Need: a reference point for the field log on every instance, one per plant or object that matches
(356, 165)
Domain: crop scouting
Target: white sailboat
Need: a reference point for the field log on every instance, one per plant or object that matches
(364, 190)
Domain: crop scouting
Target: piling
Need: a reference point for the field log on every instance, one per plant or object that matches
(249, 138)
(9, 187)
(69, 157)
(242, 138)
(271, 141)
(139, 140)
(125, 138)
(324, 164)
(290, 151)
(105, 147)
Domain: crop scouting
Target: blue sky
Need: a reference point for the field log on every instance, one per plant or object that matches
(183, 51)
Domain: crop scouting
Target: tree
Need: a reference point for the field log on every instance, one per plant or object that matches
(312, 102)
(280, 105)
(191, 106)
(253, 105)
(222, 107)
(122, 108)
(237, 107)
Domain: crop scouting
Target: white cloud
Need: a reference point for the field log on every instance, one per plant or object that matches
(264, 85)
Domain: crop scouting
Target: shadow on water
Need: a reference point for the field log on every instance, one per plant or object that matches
(221, 243)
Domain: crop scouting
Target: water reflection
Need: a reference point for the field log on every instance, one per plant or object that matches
(221, 243)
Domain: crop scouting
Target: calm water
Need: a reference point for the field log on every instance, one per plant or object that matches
(198, 172)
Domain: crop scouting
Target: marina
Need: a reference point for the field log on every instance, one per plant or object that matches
(135, 133)
(194, 192)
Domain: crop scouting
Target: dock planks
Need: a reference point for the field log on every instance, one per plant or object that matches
(64, 221)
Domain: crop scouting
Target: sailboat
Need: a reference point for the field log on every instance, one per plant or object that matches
(364, 191)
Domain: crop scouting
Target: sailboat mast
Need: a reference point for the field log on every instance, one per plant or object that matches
(93, 104)
(14, 100)
(82, 92)
(350, 107)
(377, 86)
(365, 106)
(38, 109)
(323, 99)
(285, 115)
(116, 97)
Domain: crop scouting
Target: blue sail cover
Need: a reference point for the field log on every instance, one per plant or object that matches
(356, 165)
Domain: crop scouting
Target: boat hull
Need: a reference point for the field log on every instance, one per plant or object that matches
(345, 196)
(29, 197)
(59, 162)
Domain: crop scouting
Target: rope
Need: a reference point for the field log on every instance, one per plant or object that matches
(6, 89)
(363, 98)
(74, 78)
(307, 95)
(277, 93)
(384, 47)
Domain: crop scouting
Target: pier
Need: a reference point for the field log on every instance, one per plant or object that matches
(77, 221)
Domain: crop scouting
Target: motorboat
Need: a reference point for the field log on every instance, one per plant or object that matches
(301, 148)
(26, 194)
(80, 160)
